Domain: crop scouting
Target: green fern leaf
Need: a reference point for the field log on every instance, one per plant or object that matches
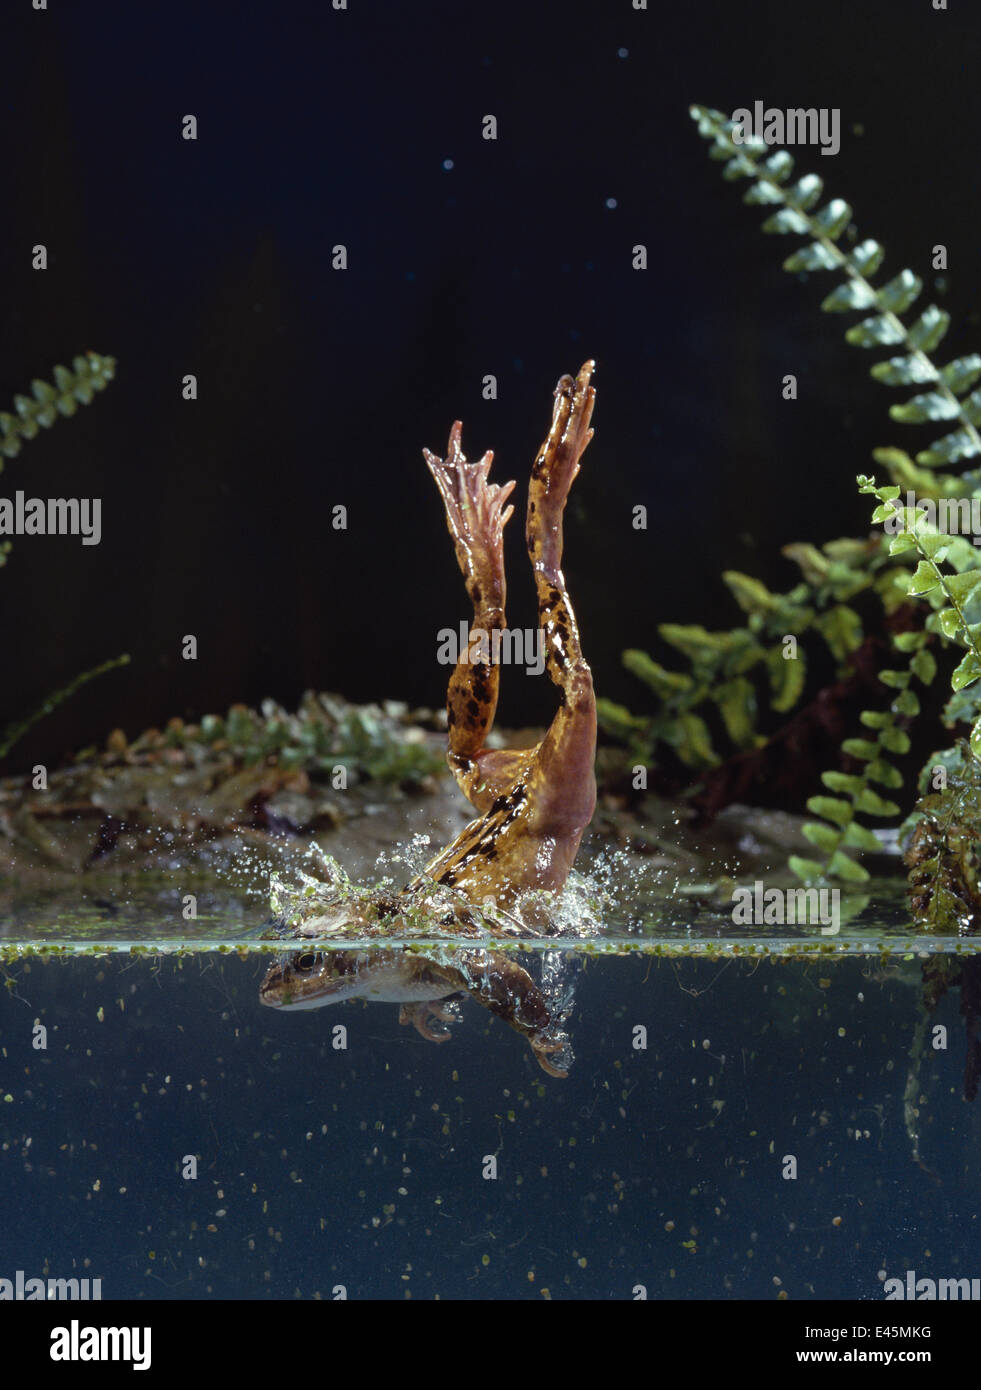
(905, 371)
(961, 373)
(930, 406)
(929, 329)
(900, 292)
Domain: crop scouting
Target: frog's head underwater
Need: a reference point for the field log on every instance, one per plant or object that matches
(314, 979)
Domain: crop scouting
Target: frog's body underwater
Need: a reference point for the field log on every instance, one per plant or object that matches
(534, 804)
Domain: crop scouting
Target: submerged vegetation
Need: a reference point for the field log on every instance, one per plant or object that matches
(921, 584)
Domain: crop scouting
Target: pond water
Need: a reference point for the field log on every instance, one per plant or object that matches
(765, 1115)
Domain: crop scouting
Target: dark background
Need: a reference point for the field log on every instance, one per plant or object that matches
(319, 387)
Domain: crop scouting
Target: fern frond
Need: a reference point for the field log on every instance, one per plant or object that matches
(953, 593)
(14, 732)
(839, 830)
(90, 373)
(907, 567)
(947, 399)
(41, 409)
(722, 662)
(952, 596)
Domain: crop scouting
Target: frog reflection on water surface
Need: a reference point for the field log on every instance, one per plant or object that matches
(534, 804)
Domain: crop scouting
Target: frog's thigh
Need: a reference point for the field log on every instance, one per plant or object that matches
(563, 777)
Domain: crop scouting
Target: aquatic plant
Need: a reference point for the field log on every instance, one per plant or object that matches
(89, 374)
(822, 605)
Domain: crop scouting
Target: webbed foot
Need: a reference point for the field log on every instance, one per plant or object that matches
(557, 463)
(476, 517)
(542, 1047)
(418, 1015)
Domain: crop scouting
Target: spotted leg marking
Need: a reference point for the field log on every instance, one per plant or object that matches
(568, 751)
(476, 516)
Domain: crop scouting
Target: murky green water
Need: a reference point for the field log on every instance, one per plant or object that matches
(746, 1115)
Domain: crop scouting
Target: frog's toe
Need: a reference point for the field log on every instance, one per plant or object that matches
(475, 508)
(542, 1047)
(418, 1016)
(449, 1014)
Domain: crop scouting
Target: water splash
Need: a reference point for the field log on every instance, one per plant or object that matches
(316, 896)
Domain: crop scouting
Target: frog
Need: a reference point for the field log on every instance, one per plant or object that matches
(534, 804)
(428, 985)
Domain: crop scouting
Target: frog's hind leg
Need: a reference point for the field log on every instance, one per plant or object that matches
(567, 753)
(476, 516)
